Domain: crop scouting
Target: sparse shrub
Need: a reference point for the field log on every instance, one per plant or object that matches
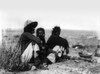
(4, 57)
(10, 58)
(14, 60)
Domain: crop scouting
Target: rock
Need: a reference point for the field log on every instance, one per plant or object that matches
(78, 46)
(97, 52)
(2, 71)
(85, 55)
(96, 59)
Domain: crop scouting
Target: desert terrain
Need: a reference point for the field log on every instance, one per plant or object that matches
(75, 65)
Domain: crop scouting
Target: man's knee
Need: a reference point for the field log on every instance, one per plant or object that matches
(56, 48)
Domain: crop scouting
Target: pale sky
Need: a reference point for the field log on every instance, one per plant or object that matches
(69, 14)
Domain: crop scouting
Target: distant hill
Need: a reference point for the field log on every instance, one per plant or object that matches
(73, 36)
(64, 33)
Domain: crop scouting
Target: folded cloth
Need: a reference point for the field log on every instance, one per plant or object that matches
(52, 57)
(36, 48)
(27, 54)
(58, 50)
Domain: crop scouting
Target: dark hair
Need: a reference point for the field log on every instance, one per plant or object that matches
(42, 29)
(56, 30)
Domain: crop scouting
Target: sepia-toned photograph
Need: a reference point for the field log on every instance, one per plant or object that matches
(49, 37)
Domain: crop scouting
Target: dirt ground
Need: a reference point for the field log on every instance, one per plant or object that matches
(65, 67)
(72, 66)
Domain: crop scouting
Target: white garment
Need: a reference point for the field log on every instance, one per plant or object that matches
(35, 48)
(58, 50)
(27, 54)
(52, 57)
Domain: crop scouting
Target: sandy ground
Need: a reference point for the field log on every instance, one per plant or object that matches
(66, 67)
(75, 66)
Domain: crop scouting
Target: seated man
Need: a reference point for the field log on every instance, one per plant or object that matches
(40, 33)
(57, 44)
(23, 51)
(28, 45)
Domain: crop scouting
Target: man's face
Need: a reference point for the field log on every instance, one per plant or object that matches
(40, 33)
